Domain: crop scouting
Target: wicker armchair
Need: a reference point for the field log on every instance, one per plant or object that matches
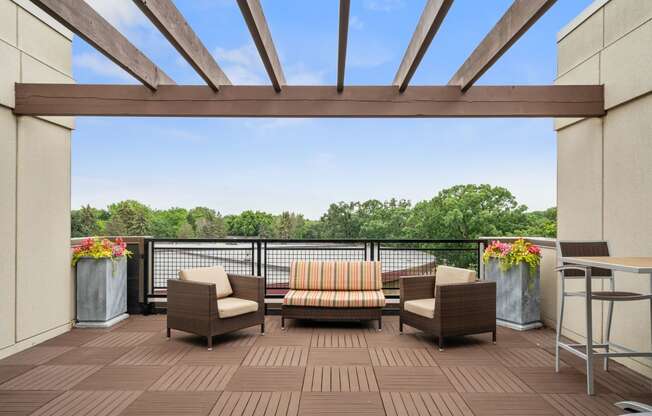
(456, 309)
(193, 306)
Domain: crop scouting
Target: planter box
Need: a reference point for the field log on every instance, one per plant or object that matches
(517, 295)
(101, 292)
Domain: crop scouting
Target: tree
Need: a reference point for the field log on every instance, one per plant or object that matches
(249, 224)
(207, 223)
(185, 230)
(467, 212)
(85, 222)
(289, 225)
(384, 219)
(540, 224)
(341, 221)
(129, 218)
(166, 223)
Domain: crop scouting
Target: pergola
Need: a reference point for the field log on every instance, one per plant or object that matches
(160, 96)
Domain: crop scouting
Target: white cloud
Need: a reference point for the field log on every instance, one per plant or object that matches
(120, 13)
(383, 5)
(300, 74)
(242, 65)
(100, 65)
(356, 23)
(368, 55)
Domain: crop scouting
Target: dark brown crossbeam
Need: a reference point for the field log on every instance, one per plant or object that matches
(171, 23)
(521, 15)
(309, 101)
(253, 14)
(86, 23)
(431, 18)
(345, 8)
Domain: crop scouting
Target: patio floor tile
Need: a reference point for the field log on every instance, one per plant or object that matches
(340, 378)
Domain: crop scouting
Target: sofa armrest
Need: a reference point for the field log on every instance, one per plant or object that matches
(472, 302)
(416, 287)
(248, 287)
(191, 299)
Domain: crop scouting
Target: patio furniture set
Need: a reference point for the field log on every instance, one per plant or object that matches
(451, 302)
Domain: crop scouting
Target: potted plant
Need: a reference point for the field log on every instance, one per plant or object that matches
(101, 281)
(515, 269)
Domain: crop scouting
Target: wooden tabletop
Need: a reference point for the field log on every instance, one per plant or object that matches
(623, 264)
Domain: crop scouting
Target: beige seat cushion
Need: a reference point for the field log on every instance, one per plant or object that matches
(446, 275)
(230, 307)
(421, 307)
(215, 274)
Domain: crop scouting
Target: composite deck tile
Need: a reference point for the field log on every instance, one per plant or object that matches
(18, 403)
(339, 379)
(266, 379)
(195, 378)
(424, 404)
(485, 380)
(234, 339)
(358, 403)
(401, 357)
(7, 372)
(90, 355)
(338, 339)
(581, 404)
(50, 377)
(88, 403)
(339, 356)
(76, 337)
(546, 380)
(505, 338)
(412, 379)
(388, 340)
(279, 356)
(152, 355)
(120, 339)
(542, 337)
(487, 404)
(247, 403)
(468, 356)
(219, 356)
(523, 357)
(143, 325)
(35, 356)
(295, 339)
(172, 403)
(121, 378)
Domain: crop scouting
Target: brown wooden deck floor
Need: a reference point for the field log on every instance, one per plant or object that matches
(310, 369)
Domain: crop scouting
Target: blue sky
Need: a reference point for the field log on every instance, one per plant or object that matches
(303, 165)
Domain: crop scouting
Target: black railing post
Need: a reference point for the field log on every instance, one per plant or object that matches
(259, 258)
(372, 251)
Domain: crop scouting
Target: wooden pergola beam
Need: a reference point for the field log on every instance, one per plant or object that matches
(431, 19)
(345, 9)
(309, 101)
(171, 23)
(253, 14)
(521, 15)
(86, 23)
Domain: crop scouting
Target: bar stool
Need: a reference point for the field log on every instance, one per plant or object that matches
(566, 272)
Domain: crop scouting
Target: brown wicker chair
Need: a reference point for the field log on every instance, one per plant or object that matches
(459, 308)
(192, 306)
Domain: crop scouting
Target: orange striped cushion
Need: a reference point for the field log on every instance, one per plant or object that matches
(336, 275)
(335, 298)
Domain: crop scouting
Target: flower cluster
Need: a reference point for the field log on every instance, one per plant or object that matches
(95, 248)
(520, 251)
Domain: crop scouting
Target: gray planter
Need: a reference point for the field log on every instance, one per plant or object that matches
(517, 295)
(101, 291)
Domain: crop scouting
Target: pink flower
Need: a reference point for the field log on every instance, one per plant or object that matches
(534, 250)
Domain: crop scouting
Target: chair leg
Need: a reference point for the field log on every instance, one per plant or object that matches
(167, 334)
(493, 336)
(380, 323)
(560, 320)
(282, 322)
(400, 326)
(262, 328)
(441, 343)
(209, 340)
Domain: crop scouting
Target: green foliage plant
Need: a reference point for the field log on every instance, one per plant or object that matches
(510, 255)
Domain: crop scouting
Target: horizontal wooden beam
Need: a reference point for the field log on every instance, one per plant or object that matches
(431, 19)
(521, 15)
(253, 14)
(345, 8)
(171, 23)
(86, 23)
(312, 101)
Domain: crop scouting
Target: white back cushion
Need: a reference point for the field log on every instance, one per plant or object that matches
(447, 274)
(215, 274)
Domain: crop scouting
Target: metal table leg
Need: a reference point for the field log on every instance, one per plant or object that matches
(589, 334)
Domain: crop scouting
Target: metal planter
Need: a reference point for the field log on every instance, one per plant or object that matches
(101, 291)
(517, 295)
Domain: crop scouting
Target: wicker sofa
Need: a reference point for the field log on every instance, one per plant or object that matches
(334, 290)
(451, 303)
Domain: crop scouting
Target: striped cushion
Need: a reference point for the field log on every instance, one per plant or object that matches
(335, 298)
(336, 275)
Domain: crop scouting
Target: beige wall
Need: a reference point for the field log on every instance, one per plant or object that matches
(605, 165)
(36, 292)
